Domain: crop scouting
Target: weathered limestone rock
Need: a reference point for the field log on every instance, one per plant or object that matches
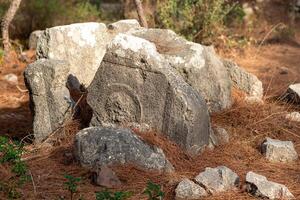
(198, 64)
(279, 151)
(218, 137)
(293, 93)
(135, 84)
(259, 186)
(219, 179)
(123, 26)
(187, 190)
(82, 45)
(245, 81)
(33, 39)
(294, 116)
(98, 146)
(46, 81)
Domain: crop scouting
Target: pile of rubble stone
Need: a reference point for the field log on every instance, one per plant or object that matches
(145, 78)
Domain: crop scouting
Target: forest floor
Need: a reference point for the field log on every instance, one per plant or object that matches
(277, 65)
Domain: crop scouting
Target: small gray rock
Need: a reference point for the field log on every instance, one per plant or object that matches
(294, 116)
(123, 26)
(259, 186)
(46, 82)
(293, 93)
(219, 179)
(11, 78)
(33, 39)
(279, 151)
(96, 146)
(245, 81)
(106, 177)
(218, 137)
(187, 190)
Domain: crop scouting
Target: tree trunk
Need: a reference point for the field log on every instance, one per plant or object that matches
(141, 14)
(7, 19)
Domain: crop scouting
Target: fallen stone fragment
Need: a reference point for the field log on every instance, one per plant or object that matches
(218, 137)
(258, 185)
(33, 39)
(135, 84)
(96, 146)
(219, 179)
(245, 82)
(294, 116)
(105, 177)
(187, 190)
(45, 80)
(279, 151)
(123, 26)
(293, 93)
(197, 64)
(11, 78)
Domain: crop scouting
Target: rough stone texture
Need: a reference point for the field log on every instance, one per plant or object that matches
(96, 146)
(105, 177)
(245, 81)
(279, 151)
(294, 116)
(218, 137)
(33, 39)
(46, 81)
(135, 84)
(259, 186)
(293, 93)
(199, 65)
(219, 179)
(187, 189)
(123, 26)
(82, 45)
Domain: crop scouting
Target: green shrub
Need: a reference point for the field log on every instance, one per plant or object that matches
(198, 20)
(107, 195)
(10, 153)
(71, 184)
(153, 191)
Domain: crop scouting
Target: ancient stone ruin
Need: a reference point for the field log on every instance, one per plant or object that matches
(149, 78)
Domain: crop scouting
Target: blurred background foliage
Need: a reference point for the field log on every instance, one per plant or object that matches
(204, 21)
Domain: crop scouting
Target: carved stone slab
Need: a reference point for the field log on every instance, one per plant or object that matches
(135, 84)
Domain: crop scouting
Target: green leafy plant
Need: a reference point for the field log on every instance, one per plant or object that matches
(10, 154)
(198, 20)
(71, 184)
(107, 195)
(153, 191)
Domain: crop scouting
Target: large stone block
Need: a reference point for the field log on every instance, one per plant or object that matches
(46, 81)
(83, 45)
(198, 65)
(135, 84)
(96, 146)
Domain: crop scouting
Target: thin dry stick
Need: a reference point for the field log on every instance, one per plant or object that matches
(21, 90)
(141, 14)
(294, 134)
(259, 121)
(33, 184)
(266, 36)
